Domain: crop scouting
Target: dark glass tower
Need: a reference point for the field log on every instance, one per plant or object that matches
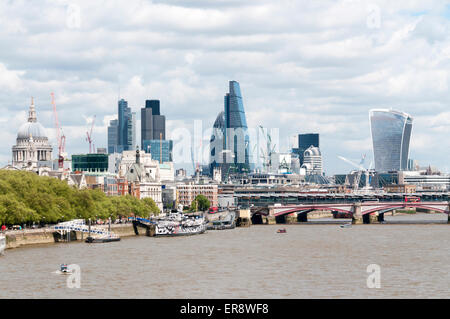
(235, 154)
(112, 136)
(236, 138)
(122, 132)
(304, 142)
(153, 132)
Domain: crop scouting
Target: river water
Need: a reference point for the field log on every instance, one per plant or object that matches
(309, 261)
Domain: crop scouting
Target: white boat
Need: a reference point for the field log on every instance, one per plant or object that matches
(2, 243)
(345, 225)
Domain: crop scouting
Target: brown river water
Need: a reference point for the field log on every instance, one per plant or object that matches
(309, 261)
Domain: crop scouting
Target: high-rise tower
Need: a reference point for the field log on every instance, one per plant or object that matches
(153, 132)
(391, 134)
(235, 153)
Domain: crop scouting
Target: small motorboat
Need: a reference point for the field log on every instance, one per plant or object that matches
(281, 231)
(345, 225)
(64, 269)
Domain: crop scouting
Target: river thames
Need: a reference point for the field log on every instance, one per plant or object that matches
(309, 261)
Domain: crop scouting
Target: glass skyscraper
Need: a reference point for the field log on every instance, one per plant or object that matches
(153, 132)
(305, 141)
(232, 147)
(160, 150)
(153, 124)
(122, 132)
(391, 134)
(112, 136)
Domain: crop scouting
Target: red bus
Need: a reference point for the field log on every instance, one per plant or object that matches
(213, 210)
(412, 199)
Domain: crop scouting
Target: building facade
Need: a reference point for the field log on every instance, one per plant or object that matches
(90, 162)
(160, 150)
(186, 193)
(391, 134)
(312, 161)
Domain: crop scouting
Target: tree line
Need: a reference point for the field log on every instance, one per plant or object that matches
(26, 198)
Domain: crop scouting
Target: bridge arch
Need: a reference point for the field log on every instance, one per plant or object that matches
(308, 209)
(389, 208)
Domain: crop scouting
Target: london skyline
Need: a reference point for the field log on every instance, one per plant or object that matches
(324, 77)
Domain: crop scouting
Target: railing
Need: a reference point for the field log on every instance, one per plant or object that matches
(80, 226)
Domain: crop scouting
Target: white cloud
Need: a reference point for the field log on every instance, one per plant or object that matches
(303, 66)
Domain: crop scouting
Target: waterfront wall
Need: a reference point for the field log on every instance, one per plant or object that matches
(19, 238)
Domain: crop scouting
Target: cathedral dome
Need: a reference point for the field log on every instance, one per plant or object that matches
(32, 127)
(35, 129)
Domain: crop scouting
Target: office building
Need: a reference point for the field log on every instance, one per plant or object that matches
(113, 141)
(312, 161)
(304, 142)
(391, 134)
(122, 132)
(153, 124)
(160, 150)
(153, 132)
(230, 142)
(90, 162)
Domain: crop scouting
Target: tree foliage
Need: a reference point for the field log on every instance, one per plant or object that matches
(200, 203)
(28, 198)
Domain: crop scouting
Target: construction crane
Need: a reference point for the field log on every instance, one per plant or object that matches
(361, 169)
(267, 153)
(60, 137)
(89, 137)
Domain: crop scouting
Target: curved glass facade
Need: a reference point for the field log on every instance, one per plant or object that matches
(391, 135)
(236, 138)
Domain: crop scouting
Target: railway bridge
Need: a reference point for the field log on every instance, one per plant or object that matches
(360, 211)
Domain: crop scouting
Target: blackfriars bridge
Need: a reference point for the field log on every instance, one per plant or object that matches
(360, 212)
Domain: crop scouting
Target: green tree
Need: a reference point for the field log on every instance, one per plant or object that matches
(200, 203)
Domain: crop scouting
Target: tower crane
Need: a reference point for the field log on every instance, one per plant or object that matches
(89, 137)
(60, 137)
(360, 168)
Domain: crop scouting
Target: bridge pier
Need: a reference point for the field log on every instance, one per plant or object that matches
(270, 220)
(380, 217)
(357, 217)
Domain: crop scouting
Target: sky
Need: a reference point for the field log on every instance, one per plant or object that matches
(303, 66)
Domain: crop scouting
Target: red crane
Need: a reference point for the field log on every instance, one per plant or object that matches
(60, 137)
(89, 137)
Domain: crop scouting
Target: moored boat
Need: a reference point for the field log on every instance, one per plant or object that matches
(178, 224)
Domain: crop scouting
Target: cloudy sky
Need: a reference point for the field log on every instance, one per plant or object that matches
(304, 66)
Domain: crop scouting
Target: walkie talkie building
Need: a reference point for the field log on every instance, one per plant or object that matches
(391, 135)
